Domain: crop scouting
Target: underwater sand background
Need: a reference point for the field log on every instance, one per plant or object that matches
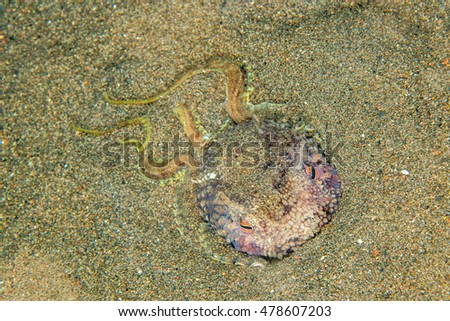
(76, 227)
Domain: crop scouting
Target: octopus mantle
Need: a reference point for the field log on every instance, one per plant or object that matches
(266, 188)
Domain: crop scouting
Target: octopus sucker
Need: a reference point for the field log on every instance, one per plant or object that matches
(262, 183)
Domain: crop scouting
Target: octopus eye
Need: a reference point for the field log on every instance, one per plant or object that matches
(310, 170)
(245, 225)
(313, 172)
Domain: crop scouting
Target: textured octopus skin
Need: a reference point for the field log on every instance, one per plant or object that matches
(279, 202)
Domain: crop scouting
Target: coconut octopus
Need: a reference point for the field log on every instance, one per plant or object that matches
(261, 183)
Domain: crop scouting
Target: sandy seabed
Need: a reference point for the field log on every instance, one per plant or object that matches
(374, 76)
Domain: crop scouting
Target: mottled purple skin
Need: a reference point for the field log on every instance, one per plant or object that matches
(273, 204)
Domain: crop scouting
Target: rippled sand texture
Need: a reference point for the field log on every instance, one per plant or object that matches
(80, 224)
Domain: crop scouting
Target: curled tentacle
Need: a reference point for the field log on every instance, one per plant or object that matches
(167, 169)
(236, 108)
(265, 202)
(236, 88)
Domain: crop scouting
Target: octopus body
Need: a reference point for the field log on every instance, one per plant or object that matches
(262, 184)
(273, 191)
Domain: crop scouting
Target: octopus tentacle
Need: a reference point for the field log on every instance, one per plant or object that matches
(144, 121)
(187, 120)
(164, 170)
(236, 89)
(271, 207)
(236, 108)
(154, 98)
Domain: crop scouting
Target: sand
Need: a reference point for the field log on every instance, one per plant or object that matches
(80, 226)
